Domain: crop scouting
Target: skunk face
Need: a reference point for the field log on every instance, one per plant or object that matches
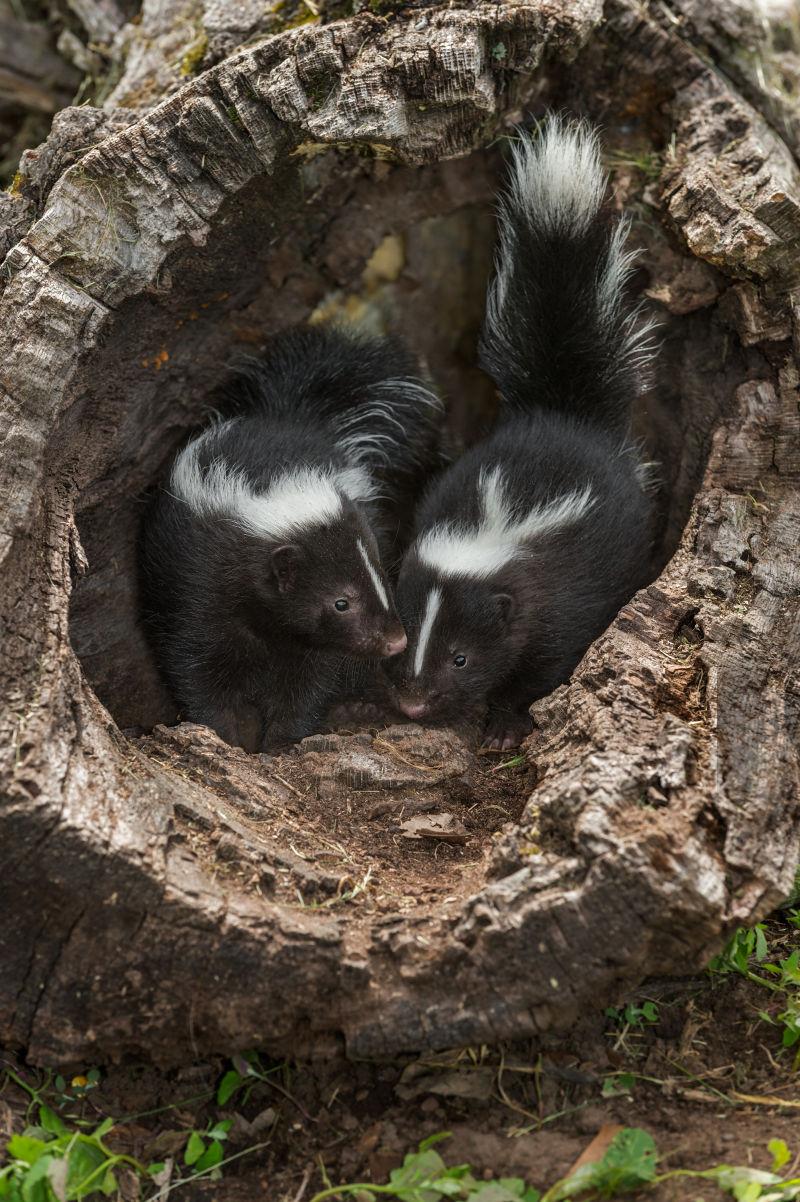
(331, 590)
(457, 632)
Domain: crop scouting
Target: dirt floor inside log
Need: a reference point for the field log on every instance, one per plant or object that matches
(703, 1064)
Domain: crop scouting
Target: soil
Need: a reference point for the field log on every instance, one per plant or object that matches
(709, 1078)
(392, 820)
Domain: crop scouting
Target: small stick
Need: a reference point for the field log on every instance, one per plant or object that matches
(303, 1186)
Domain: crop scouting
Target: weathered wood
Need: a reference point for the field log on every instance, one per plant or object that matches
(165, 894)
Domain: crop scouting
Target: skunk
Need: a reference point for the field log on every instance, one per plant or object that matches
(527, 546)
(260, 560)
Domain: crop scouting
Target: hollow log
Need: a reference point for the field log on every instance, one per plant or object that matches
(387, 891)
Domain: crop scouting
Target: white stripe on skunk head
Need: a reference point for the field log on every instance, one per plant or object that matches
(295, 500)
(428, 618)
(502, 535)
(373, 575)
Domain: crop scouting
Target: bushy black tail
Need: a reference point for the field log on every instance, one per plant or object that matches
(558, 333)
(368, 393)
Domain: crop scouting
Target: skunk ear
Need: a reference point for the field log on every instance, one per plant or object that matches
(285, 561)
(505, 604)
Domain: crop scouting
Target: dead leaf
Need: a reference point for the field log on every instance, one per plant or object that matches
(435, 826)
(6, 1122)
(245, 1131)
(475, 1083)
(166, 1143)
(162, 1180)
(598, 1147)
(57, 1177)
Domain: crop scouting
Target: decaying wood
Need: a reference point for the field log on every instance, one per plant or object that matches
(663, 808)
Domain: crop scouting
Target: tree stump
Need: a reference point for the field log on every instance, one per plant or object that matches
(386, 892)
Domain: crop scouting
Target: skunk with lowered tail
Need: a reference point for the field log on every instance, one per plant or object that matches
(260, 559)
(527, 547)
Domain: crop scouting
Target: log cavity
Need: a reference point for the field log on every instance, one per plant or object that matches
(395, 248)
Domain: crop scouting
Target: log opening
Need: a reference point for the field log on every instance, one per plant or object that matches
(143, 865)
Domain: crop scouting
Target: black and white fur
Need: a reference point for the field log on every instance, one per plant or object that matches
(529, 544)
(260, 561)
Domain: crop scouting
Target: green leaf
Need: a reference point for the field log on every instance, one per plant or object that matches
(155, 1168)
(733, 1177)
(780, 1153)
(456, 1187)
(220, 1130)
(195, 1147)
(34, 1184)
(761, 947)
(747, 1191)
(93, 1076)
(212, 1156)
(434, 1139)
(629, 1162)
(493, 1191)
(531, 1195)
(420, 1175)
(109, 1184)
(650, 1012)
(60, 1084)
(84, 1159)
(103, 1129)
(621, 1083)
(228, 1086)
(26, 1148)
(37, 1132)
(50, 1121)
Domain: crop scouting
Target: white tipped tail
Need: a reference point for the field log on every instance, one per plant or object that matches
(558, 178)
(559, 333)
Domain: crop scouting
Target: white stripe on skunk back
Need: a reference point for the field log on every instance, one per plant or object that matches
(502, 535)
(293, 502)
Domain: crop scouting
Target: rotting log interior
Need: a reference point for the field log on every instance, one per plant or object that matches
(397, 249)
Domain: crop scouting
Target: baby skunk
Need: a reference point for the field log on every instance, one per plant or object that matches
(260, 563)
(528, 546)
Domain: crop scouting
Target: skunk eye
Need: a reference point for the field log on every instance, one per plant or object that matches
(460, 661)
(342, 604)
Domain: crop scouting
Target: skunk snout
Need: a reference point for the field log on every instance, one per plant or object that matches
(412, 709)
(396, 644)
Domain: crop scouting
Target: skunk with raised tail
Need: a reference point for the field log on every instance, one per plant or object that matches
(527, 546)
(260, 560)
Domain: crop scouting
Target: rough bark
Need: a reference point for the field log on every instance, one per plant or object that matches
(163, 894)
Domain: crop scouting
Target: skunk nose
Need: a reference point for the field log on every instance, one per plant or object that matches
(413, 709)
(396, 645)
